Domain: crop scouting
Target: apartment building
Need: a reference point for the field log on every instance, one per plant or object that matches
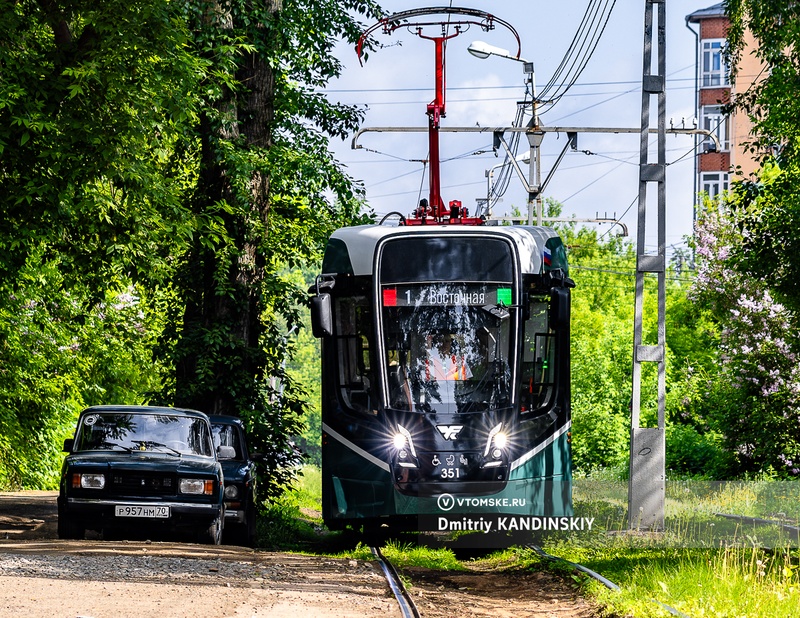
(715, 169)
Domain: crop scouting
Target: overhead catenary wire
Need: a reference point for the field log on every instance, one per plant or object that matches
(580, 51)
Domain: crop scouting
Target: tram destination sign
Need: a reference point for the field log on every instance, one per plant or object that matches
(439, 295)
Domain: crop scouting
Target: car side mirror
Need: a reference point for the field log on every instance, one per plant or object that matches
(69, 443)
(226, 452)
(321, 315)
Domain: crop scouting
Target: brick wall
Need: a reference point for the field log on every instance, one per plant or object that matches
(714, 28)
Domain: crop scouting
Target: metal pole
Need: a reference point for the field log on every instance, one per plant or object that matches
(646, 489)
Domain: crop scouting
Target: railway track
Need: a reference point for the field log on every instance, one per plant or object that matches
(608, 584)
(407, 606)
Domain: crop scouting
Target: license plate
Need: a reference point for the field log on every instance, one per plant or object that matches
(156, 512)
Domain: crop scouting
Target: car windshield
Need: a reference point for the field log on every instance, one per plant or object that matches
(176, 435)
(227, 435)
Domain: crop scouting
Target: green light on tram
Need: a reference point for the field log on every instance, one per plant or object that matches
(504, 296)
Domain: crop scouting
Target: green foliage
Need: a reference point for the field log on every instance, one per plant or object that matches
(92, 102)
(753, 399)
(602, 337)
(58, 353)
(600, 438)
(179, 148)
(769, 204)
(690, 452)
(266, 179)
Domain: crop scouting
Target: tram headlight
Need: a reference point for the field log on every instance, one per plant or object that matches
(402, 440)
(404, 444)
(497, 441)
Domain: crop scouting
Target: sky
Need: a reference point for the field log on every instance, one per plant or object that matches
(397, 82)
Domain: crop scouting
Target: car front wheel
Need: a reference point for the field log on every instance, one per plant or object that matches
(214, 533)
(69, 528)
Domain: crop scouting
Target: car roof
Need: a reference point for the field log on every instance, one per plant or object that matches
(126, 409)
(223, 419)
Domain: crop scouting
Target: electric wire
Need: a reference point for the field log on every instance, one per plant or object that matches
(580, 51)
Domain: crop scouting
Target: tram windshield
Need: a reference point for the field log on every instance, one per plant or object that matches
(445, 353)
(447, 342)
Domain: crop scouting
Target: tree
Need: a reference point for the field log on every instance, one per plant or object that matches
(769, 205)
(754, 401)
(181, 145)
(263, 177)
(93, 99)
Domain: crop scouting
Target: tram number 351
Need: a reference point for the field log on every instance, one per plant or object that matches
(451, 473)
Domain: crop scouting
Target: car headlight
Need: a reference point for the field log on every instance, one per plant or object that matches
(89, 481)
(231, 492)
(196, 486)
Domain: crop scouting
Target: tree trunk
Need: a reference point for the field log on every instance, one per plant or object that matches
(219, 357)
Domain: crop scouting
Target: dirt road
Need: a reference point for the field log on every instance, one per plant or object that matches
(41, 576)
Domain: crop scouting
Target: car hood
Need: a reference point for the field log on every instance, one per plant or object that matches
(146, 461)
(234, 470)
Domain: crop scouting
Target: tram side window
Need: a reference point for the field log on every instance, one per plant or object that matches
(538, 360)
(353, 324)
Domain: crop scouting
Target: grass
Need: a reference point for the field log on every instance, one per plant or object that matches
(725, 582)
(701, 566)
(293, 522)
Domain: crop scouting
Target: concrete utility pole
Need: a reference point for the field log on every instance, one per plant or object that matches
(646, 485)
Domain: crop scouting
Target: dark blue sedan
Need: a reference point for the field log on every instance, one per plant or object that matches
(240, 480)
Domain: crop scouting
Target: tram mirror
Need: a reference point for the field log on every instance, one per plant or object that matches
(559, 308)
(321, 316)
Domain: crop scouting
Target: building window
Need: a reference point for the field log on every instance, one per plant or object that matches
(713, 120)
(715, 72)
(714, 183)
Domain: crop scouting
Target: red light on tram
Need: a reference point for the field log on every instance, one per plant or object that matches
(390, 297)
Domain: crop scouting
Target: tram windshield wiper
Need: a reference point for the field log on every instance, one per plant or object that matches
(499, 311)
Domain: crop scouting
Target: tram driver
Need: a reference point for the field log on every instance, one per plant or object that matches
(443, 362)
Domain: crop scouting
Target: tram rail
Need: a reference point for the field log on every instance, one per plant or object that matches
(596, 576)
(407, 606)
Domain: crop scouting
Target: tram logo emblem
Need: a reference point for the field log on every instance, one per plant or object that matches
(445, 502)
(450, 432)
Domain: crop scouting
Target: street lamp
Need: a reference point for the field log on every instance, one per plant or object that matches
(482, 50)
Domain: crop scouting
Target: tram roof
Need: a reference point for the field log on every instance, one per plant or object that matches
(361, 242)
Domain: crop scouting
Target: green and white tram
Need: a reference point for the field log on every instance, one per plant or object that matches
(445, 373)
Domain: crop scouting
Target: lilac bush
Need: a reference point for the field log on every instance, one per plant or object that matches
(758, 352)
